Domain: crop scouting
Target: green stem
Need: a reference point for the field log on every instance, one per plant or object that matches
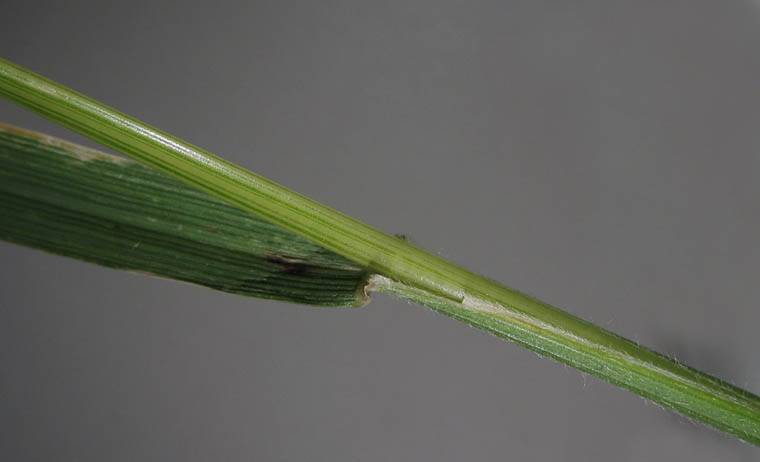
(407, 270)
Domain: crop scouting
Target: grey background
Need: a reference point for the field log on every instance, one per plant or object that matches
(600, 155)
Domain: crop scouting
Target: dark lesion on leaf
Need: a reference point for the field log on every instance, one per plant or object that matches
(288, 265)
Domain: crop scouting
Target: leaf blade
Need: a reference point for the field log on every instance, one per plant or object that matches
(73, 201)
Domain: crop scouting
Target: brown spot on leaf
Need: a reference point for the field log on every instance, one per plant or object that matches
(288, 265)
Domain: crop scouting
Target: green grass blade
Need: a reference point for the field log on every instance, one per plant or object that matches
(412, 272)
(72, 201)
